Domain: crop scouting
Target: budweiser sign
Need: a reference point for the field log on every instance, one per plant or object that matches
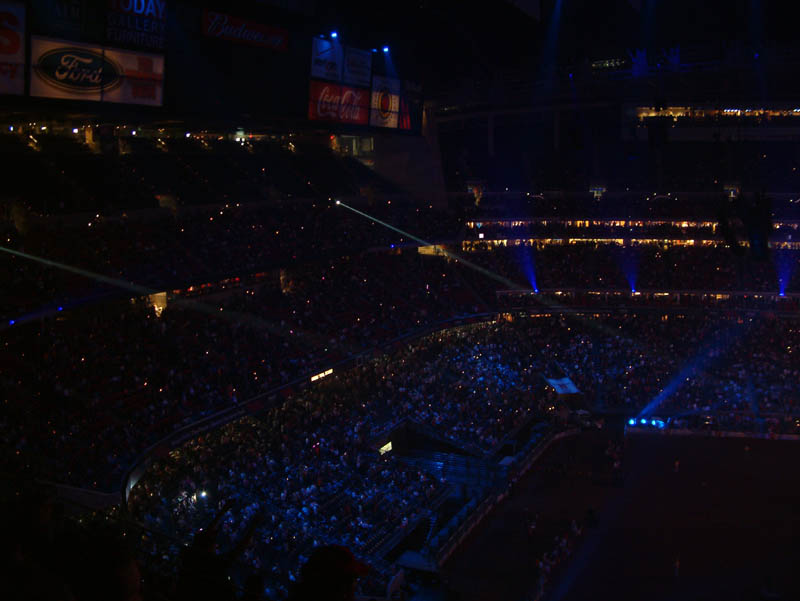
(226, 27)
(332, 102)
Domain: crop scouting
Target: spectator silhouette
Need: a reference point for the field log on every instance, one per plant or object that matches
(330, 574)
(204, 572)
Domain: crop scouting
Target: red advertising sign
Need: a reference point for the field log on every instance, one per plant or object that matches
(332, 102)
(234, 29)
(12, 48)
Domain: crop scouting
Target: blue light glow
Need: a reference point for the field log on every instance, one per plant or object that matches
(710, 349)
(632, 422)
(643, 421)
(628, 260)
(334, 35)
(784, 264)
(61, 308)
(524, 256)
(11, 322)
(386, 48)
(652, 422)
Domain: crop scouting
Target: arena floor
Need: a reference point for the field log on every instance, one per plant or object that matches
(730, 516)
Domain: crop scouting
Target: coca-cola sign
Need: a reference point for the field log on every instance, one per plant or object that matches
(332, 102)
(234, 29)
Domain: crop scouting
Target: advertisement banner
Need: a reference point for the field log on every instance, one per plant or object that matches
(68, 19)
(234, 29)
(140, 23)
(410, 106)
(385, 104)
(61, 69)
(343, 104)
(357, 67)
(326, 59)
(12, 48)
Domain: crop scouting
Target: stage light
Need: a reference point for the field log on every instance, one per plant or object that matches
(386, 48)
(203, 494)
(643, 421)
(338, 202)
(74, 130)
(188, 135)
(11, 322)
(61, 308)
(652, 422)
(374, 49)
(133, 132)
(631, 422)
(334, 35)
(11, 127)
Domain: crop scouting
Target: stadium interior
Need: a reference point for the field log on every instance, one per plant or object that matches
(490, 301)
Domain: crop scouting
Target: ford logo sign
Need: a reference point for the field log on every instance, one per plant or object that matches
(79, 70)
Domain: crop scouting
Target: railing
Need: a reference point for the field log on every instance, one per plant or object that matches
(711, 433)
(481, 510)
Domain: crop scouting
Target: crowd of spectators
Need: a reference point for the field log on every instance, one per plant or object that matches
(62, 171)
(597, 266)
(473, 385)
(267, 294)
(191, 248)
(311, 467)
(110, 396)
